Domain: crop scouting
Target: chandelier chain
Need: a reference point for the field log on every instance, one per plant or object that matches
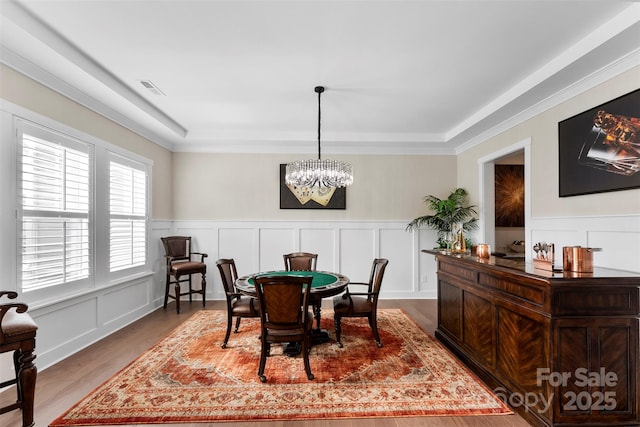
(319, 117)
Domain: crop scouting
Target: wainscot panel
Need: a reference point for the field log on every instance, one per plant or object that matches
(68, 326)
(396, 246)
(274, 242)
(348, 247)
(321, 241)
(618, 237)
(121, 302)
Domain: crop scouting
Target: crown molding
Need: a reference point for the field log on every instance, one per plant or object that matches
(612, 70)
(34, 72)
(464, 136)
(50, 38)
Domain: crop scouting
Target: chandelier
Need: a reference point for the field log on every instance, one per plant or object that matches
(319, 173)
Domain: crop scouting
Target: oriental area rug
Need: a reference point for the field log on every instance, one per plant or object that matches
(188, 377)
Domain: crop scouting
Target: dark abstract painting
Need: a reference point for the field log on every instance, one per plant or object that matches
(600, 148)
(509, 195)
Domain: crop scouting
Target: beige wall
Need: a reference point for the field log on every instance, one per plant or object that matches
(543, 132)
(246, 187)
(22, 91)
(200, 186)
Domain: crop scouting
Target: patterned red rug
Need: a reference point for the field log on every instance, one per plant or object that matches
(187, 377)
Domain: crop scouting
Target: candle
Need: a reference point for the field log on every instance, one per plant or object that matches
(483, 250)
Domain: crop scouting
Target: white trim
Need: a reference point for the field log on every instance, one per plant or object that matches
(582, 48)
(55, 126)
(496, 117)
(34, 26)
(486, 200)
(380, 146)
(606, 73)
(100, 274)
(21, 65)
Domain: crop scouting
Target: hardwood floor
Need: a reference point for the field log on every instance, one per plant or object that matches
(65, 383)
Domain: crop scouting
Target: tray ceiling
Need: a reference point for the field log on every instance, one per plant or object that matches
(238, 76)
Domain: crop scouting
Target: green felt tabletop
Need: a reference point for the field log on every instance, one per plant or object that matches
(319, 278)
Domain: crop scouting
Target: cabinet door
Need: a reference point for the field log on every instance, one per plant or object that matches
(523, 347)
(450, 309)
(479, 327)
(599, 364)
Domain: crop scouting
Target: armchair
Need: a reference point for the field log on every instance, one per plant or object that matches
(284, 315)
(361, 304)
(238, 305)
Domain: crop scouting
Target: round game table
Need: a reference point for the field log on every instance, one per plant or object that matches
(325, 284)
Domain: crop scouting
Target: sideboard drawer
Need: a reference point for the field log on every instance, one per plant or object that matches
(458, 271)
(592, 300)
(521, 290)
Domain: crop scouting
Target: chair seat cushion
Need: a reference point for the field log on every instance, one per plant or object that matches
(293, 331)
(188, 267)
(245, 307)
(17, 326)
(360, 305)
(280, 333)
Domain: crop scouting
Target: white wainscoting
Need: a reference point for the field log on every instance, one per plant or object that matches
(71, 324)
(617, 236)
(345, 247)
(68, 325)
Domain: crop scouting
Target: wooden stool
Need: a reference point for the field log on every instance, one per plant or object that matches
(18, 334)
(180, 263)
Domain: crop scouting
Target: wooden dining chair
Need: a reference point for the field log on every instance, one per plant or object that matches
(182, 261)
(18, 335)
(284, 315)
(361, 304)
(238, 305)
(300, 261)
(304, 261)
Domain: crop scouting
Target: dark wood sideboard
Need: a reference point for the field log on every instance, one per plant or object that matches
(560, 348)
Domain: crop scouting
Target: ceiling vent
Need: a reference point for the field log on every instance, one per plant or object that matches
(148, 84)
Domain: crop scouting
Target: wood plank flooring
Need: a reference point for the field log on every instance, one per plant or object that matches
(65, 383)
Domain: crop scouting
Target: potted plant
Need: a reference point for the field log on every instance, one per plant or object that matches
(448, 213)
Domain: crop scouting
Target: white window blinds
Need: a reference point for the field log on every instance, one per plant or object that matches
(127, 210)
(55, 203)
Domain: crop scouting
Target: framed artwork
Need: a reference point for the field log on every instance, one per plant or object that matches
(509, 195)
(292, 197)
(599, 149)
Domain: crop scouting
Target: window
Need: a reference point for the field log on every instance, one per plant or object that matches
(55, 201)
(83, 211)
(127, 210)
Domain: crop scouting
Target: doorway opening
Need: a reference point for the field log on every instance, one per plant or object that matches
(504, 208)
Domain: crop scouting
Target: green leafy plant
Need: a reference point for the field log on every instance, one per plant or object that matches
(447, 212)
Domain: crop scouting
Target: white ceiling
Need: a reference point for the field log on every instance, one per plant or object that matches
(238, 76)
